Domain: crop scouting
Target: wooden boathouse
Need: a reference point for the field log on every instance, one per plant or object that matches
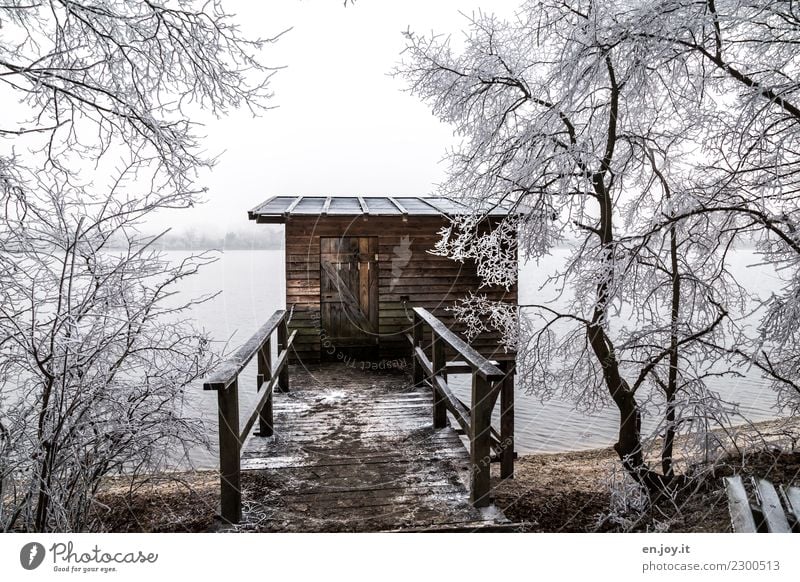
(366, 447)
(356, 265)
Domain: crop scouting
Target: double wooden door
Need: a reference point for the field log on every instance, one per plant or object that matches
(349, 295)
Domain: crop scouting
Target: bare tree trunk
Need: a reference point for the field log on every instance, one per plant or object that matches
(43, 498)
(629, 442)
(671, 388)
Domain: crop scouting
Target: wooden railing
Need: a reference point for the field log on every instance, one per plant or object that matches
(488, 381)
(225, 380)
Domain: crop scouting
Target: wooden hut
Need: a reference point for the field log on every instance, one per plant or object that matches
(355, 266)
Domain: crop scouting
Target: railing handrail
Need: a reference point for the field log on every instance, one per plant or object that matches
(482, 366)
(225, 381)
(488, 383)
(225, 373)
(283, 358)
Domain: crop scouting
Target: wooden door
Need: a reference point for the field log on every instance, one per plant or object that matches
(348, 294)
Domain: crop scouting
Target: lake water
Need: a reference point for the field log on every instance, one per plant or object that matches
(252, 287)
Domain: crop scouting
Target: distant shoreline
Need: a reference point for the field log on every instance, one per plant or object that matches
(220, 248)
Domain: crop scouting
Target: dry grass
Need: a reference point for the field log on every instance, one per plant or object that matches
(182, 502)
(570, 492)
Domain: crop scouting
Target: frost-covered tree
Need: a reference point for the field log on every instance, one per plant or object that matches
(95, 352)
(741, 80)
(576, 119)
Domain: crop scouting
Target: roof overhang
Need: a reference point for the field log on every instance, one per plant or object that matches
(279, 209)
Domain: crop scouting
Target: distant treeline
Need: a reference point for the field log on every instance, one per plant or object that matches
(260, 238)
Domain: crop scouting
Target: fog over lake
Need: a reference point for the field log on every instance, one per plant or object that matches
(252, 287)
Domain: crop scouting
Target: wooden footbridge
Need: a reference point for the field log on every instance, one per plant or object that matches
(355, 449)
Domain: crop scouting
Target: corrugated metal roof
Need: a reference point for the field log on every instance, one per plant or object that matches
(279, 208)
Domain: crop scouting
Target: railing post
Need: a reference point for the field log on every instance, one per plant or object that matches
(439, 366)
(480, 442)
(416, 334)
(229, 454)
(283, 340)
(507, 421)
(265, 416)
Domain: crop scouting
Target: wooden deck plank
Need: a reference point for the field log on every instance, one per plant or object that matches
(739, 506)
(771, 507)
(321, 460)
(356, 450)
(792, 497)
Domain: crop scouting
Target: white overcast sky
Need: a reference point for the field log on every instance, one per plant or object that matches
(341, 126)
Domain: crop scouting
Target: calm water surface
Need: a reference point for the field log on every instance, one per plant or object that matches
(252, 287)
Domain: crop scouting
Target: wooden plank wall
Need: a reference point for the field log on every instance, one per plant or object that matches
(429, 281)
